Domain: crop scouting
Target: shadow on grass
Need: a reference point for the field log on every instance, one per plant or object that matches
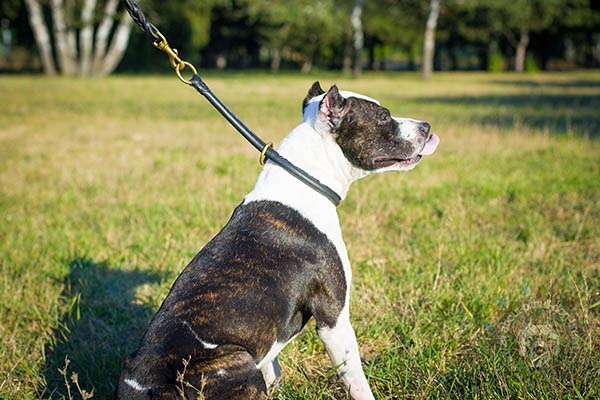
(554, 113)
(104, 324)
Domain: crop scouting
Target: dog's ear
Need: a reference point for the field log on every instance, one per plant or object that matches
(333, 106)
(314, 91)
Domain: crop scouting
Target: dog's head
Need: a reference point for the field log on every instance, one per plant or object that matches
(370, 138)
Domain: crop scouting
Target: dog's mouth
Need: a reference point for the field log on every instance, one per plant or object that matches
(428, 149)
(385, 162)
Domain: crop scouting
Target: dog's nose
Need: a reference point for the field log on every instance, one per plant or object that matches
(424, 127)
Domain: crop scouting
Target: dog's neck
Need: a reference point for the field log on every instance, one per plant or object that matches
(317, 154)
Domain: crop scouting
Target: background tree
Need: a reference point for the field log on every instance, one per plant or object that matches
(42, 37)
(80, 35)
(464, 30)
(393, 24)
(358, 39)
(87, 37)
(234, 38)
(186, 24)
(578, 28)
(302, 31)
(517, 19)
(429, 40)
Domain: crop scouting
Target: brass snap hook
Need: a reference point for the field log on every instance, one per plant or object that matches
(177, 63)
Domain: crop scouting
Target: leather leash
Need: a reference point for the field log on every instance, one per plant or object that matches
(266, 149)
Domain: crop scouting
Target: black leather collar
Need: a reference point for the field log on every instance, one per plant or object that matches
(260, 145)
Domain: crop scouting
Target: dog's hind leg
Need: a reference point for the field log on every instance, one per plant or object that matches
(233, 376)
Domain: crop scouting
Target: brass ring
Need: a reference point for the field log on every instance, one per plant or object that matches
(263, 153)
(180, 67)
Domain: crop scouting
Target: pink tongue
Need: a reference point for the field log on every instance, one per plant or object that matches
(431, 145)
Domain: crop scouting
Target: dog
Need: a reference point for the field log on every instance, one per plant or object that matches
(279, 261)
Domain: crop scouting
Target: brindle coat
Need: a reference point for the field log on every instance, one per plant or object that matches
(258, 281)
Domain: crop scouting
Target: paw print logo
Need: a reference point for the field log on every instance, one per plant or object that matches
(538, 332)
(539, 344)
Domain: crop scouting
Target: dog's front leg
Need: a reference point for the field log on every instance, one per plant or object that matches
(342, 348)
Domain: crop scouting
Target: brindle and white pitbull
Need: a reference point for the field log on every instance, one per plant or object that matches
(279, 261)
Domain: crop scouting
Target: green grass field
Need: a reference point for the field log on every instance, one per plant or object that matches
(476, 275)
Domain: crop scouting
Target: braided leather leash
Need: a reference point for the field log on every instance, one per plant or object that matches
(266, 149)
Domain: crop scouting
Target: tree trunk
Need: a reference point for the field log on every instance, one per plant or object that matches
(61, 39)
(118, 46)
(521, 51)
(101, 42)
(307, 65)
(276, 60)
(42, 37)
(359, 38)
(80, 53)
(70, 23)
(221, 62)
(86, 38)
(429, 42)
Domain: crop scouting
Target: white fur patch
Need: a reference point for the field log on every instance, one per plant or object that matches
(135, 385)
(345, 94)
(275, 349)
(209, 346)
(206, 345)
(409, 128)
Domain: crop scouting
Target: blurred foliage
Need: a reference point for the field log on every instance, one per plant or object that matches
(305, 33)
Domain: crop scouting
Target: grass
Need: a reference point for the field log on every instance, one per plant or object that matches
(477, 275)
